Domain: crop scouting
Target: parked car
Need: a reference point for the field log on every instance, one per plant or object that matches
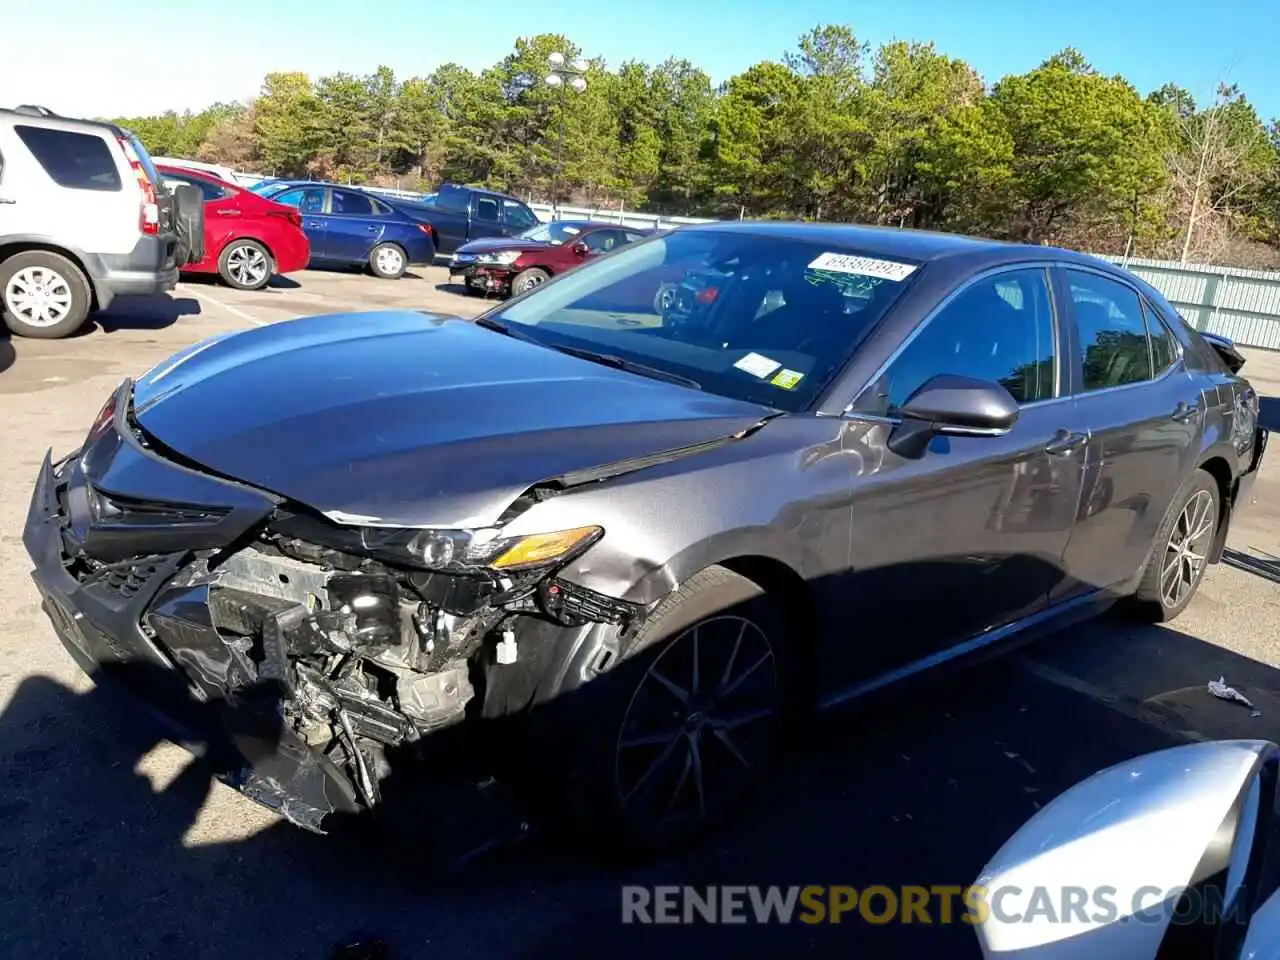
(649, 540)
(215, 170)
(351, 227)
(247, 239)
(84, 218)
(1168, 854)
(514, 265)
(463, 214)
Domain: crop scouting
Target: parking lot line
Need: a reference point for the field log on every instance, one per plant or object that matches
(236, 311)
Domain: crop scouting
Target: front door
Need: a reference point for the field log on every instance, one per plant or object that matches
(354, 226)
(970, 536)
(1133, 393)
(309, 201)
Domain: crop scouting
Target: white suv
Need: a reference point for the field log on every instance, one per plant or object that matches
(84, 217)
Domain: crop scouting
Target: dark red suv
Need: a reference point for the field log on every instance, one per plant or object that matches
(511, 265)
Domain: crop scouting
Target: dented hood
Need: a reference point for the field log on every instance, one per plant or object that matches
(407, 419)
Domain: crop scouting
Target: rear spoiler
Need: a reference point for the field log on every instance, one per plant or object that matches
(1226, 349)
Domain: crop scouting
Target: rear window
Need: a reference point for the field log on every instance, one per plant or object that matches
(81, 161)
(144, 158)
(453, 200)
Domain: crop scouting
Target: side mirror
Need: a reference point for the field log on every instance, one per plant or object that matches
(955, 406)
(1161, 855)
(580, 248)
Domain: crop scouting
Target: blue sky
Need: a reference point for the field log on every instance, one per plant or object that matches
(108, 63)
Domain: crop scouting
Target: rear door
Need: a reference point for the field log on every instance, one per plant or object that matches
(75, 182)
(1143, 412)
(310, 202)
(486, 216)
(354, 226)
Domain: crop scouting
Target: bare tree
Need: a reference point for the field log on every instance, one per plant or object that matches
(1216, 158)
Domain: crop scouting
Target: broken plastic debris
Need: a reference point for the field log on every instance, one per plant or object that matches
(507, 651)
(1219, 688)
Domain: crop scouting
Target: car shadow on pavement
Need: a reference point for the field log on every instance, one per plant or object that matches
(920, 788)
(142, 313)
(460, 290)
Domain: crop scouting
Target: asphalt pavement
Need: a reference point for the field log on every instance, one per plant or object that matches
(118, 845)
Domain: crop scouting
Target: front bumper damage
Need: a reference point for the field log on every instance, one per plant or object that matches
(488, 277)
(310, 675)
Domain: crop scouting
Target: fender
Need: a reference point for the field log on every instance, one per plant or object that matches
(92, 265)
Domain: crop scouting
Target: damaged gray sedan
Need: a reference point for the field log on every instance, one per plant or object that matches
(632, 522)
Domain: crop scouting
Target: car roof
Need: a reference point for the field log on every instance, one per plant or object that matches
(34, 116)
(920, 246)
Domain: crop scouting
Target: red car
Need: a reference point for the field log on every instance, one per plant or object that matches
(247, 239)
(511, 265)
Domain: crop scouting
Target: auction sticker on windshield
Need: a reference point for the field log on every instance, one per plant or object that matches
(758, 365)
(863, 266)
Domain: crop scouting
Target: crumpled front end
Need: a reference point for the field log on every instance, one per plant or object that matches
(254, 628)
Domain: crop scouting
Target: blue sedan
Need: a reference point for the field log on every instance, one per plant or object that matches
(347, 226)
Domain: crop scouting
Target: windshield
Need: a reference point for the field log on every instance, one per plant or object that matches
(553, 233)
(759, 318)
(271, 187)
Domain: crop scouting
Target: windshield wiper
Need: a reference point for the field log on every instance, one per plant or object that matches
(621, 363)
(498, 327)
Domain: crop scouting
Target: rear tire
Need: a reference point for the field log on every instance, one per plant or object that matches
(668, 744)
(1176, 567)
(43, 295)
(388, 261)
(526, 280)
(245, 265)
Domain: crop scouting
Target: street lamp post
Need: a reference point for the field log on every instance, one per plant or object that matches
(564, 74)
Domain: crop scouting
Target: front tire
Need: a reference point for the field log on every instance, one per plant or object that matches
(388, 261)
(673, 740)
(43, 295)
(245, 265)
(1176, 568)
(526, 280)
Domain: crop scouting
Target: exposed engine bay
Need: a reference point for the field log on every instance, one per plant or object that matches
(364, 656)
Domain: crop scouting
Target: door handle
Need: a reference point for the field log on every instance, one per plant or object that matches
(1185, 412)
(315, 223)
(1066, 442)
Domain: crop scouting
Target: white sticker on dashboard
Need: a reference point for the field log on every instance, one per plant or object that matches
(863, 266)
(757, 365)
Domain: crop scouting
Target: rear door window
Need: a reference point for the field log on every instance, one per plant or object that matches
(1113, 332)
(351, 204)
(80, 161)
(1164, 345)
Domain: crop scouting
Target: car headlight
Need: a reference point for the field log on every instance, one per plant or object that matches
(503, 258)
(462, 551)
